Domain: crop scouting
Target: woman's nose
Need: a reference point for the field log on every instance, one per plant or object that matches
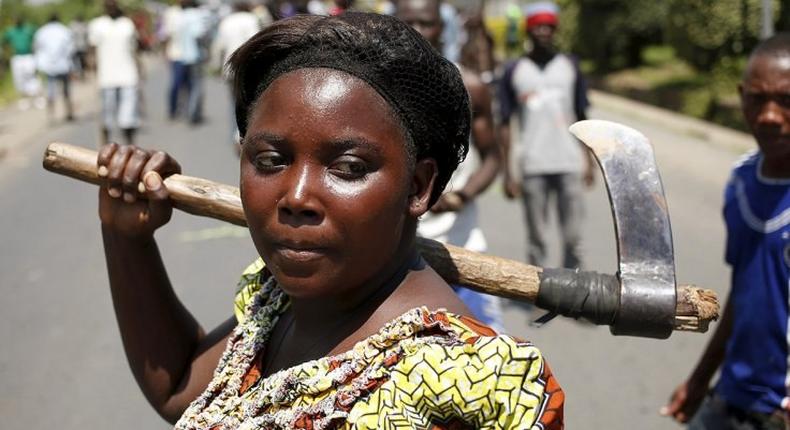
(299, 204)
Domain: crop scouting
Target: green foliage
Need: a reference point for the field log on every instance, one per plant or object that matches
(704, 31)
(613, 32)
(685, 55)
(568, 29)
(672, 83)
(658, 55)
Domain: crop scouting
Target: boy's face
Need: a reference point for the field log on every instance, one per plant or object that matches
(765, 98)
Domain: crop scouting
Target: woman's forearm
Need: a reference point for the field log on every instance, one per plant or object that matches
(159, 335)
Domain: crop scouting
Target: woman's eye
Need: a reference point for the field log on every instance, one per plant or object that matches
(268, 161)
(350, 167)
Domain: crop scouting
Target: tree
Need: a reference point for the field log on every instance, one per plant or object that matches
(613, 33)
(703, 31)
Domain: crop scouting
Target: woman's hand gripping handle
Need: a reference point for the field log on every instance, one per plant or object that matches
(133, 198)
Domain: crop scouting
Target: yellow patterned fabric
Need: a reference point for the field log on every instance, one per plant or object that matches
(423, 370)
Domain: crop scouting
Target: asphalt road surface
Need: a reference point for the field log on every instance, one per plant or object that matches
(61, 361)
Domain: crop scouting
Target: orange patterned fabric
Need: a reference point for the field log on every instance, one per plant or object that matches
(425, 370)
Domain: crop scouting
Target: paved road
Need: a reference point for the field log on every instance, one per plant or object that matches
(62, 364)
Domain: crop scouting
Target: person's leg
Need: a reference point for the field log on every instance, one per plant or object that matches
(81, 65)
(128, 113)
(716, 414)
(26, 80)
(570, 208)
(109, 105)
(535, 200)
(31, 86)
(196, 93)
(18, 74)
(65, 82)
(51, 82)
(177, 81)
(712, 415)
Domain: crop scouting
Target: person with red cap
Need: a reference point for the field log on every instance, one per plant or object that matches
(542, 13)
(545, 90)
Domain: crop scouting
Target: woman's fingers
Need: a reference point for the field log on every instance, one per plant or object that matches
(104, 157)
(159, 206)
(162, 163)
(132, 174)
(115, 170)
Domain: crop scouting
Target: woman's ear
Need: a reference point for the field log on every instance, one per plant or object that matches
(425, 172)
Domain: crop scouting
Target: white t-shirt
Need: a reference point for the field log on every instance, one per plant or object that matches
(116, 43)
(193, 25)
(234, 30)
(53, 46)
(546, 100)
(171, 22)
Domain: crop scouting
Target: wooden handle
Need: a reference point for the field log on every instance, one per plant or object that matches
(696, 307)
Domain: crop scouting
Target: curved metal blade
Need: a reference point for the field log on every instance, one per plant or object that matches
(641, 222)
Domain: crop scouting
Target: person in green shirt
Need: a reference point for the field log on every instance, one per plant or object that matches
(23, 65)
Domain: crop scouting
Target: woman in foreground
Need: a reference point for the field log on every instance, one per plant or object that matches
(351, 128)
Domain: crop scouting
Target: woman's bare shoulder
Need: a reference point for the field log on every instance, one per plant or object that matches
(426, 288)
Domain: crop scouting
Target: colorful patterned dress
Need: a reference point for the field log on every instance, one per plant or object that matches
(423, 370)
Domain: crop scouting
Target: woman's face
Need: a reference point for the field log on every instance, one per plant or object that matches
(326, 183)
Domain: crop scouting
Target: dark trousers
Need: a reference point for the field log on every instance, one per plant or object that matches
(179, 81)
(185, 77)
(716, 414)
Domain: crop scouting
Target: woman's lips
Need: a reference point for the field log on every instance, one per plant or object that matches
(300, 253)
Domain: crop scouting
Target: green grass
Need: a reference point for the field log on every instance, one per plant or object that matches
(658, 55)
(7, 91)
(668, 82)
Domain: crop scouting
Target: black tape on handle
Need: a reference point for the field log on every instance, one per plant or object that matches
(576, 294)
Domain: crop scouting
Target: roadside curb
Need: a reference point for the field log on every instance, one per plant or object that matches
(714, 134)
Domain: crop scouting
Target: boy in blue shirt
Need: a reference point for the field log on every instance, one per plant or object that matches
(750, 346)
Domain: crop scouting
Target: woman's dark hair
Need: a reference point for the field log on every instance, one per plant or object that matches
(424, 90)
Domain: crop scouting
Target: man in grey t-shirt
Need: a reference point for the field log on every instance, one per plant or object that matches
(546, 92)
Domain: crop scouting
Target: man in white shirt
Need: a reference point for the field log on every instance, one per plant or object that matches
(79, 30)
(185, 28)
(53, 47)
(114, 37)
(546, 92)
(234, 30)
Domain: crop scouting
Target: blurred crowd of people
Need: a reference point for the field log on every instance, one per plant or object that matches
(195, 38)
